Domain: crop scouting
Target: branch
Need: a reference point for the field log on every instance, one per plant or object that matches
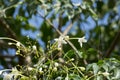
(60, 32)
(113, 44)
(50, 23)
(7, 56)
(7, 28)
(60, 23)
(63, 34)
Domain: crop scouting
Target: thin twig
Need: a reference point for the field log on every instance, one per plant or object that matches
(15, 5)
(113, 44)
(49, 23)
(68, 29)
(7, 56)
(6, 38)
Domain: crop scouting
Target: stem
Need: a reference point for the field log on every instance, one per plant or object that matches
(6, 70)
(6, 38)
(93, 76)
(73, 38)
(7, 28)
(13, 5)
(113, 44)
(78, 70)
(50, 23)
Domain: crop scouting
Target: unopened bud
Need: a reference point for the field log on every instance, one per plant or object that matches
(82, 68)
(67, 37)
(10, 43)
(72, 59)
(56, 64)
(34, 47)
(55, 69)
(30, 68)
(105, 74)
(18, 44)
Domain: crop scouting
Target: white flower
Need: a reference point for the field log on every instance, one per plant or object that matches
(82, 40)
(61, 40)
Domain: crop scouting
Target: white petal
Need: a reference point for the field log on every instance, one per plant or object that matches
(1, 72)
(80, 44)
(64, 42)
(56, 39)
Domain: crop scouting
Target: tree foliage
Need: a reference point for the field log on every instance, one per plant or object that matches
(59, 39)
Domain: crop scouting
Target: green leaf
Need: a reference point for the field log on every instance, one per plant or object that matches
(117, 73)
(95, 68)
(70, 54)
(88, 67)
(91, 49)
(105, 67)
(100, 62)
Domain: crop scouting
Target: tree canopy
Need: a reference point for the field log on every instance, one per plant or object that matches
(59, 39)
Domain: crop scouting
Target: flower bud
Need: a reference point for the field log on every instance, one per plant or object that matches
(82, 68)
(34, 47)
(56, 64)
(10, 43)
(18, 44)
(55, 69)
(106, 74)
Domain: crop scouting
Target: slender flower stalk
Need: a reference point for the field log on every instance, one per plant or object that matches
(17, 42)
